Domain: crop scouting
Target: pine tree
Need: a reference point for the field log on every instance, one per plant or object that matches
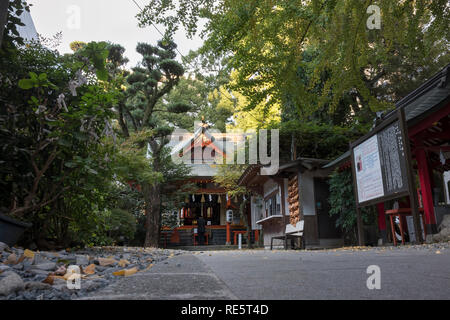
(141, 121)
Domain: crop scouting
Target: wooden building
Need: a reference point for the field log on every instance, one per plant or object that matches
(298, 191)
(207, 198)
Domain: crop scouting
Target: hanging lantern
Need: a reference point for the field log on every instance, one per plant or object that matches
(193, 198)
(210, 198)
(219, 198)
(209, 212)
(203, 199)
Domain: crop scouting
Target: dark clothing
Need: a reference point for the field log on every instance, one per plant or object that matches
(201, 225)
(201, 230)
(201, 238)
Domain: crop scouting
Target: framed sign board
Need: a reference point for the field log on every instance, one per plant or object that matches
(380, 165)
(382, 169)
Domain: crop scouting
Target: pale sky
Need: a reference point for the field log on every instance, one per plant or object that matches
(100, 20)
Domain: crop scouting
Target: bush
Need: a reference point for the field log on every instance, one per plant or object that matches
(121, 225)
(342, 202)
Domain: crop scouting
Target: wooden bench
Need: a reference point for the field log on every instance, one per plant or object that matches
(291, 232)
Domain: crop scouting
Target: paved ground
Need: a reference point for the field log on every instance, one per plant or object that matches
(407, 273)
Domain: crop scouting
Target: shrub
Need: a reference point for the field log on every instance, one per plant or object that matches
(342, 202)
(121, 225)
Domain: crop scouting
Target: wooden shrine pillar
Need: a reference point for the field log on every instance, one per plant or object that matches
(228, 233)
(426, 188)
(382, 221)
(256, 236)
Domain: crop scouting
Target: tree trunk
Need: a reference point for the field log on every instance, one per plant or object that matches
(122, 122)
(243, 213)
(3, 18)
(152, 196)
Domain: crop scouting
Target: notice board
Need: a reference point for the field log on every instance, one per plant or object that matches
(380, 165)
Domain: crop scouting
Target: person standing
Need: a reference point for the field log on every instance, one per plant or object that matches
(201, 230)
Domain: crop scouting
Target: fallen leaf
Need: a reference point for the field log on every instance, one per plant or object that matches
(68, 274)
(29, 254)
(119, 273)
(21, 259)
(90, 269)
(123, 263)
(49, 280)
(106, 261)
(125, 273)
(129, 272)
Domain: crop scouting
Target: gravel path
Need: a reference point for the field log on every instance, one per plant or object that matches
(28, 275)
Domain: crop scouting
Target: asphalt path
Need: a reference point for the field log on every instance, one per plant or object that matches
(406, 273)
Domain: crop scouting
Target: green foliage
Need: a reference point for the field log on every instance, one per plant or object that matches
(62, 162)
(11, 36)
(121, 225)
(317, 57)
(315, 139)
(228, 176)
(96, 52)
(178, 108)
(146, 129)
(56, 170)
(77, 45)
(36, 81)
(342, 202)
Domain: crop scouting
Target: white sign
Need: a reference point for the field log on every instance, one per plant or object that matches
(369, 178)
(229, 215)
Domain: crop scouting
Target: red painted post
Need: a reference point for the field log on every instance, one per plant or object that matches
(425, 186)
(228, 233)
(381, 217)
(382, 222)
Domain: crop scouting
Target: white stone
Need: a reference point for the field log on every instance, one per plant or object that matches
(11, 283)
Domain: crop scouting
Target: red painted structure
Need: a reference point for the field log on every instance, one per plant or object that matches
(428, 117)
(428, 138)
